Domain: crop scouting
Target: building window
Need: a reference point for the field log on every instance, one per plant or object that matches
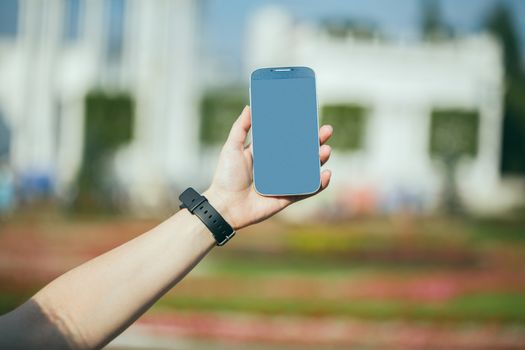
(9, 18)
(73, 20)
(349, 120)
(115, 27)
(5, 138)
(454, 133)
(219, 109)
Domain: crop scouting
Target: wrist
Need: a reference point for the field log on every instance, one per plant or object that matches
(220, 204)
(204, 234)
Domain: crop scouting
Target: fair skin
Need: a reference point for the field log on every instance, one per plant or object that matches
(87, 307)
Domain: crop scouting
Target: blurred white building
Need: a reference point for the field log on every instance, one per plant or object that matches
(59, 50)
(399, 85)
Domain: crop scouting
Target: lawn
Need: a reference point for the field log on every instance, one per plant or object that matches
(442, 272)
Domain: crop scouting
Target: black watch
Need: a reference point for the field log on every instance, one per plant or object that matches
(199, 205)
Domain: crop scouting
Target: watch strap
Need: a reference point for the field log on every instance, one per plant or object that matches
(199, 205)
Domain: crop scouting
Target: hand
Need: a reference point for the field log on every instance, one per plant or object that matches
(232, 192)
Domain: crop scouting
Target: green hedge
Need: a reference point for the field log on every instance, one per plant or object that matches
(349, 122)
(219, 109)
(109, 120)
(454, 132)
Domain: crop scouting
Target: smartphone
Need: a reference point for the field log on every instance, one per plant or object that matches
(285, 131)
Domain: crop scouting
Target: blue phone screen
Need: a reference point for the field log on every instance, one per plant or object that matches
(285, 136)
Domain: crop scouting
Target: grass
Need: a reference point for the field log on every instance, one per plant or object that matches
(472, 308)
(304, 266)
(370, 249)
(9, 301)
(499, 231)
(477, 308)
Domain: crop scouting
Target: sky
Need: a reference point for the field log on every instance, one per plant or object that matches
(225, 21)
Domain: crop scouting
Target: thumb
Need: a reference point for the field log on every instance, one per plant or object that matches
(240, 129)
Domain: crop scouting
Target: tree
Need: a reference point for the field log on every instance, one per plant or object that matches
(453, 136)
(433, 27)
(108, 125)
(500, 23)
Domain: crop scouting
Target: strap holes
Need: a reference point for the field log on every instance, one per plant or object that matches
(193, 200)
(209, 217)
(205, 212)
(200, 207)
(214, 221)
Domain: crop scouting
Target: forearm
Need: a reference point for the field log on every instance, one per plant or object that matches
(89, 305)
(94, 302)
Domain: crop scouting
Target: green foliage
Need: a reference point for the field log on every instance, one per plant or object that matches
(219, 109)
(349, 123)
(108, 124)
(500, 23)
(453, 133)
(433, 25)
